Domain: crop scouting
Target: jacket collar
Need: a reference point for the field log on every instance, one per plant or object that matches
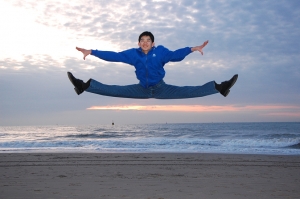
(140, 49)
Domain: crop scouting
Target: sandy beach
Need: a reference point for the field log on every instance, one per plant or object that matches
(148, 176)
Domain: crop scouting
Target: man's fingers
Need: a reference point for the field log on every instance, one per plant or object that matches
(79, 49)
(205, 43)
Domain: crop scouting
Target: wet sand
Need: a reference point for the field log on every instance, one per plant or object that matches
(148, 176)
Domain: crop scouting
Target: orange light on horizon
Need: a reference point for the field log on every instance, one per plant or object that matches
(286, 110)
(178, 108)
(193, 108)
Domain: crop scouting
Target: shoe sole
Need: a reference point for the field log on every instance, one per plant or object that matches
(77, 91)
(235, 77)
(226, 93)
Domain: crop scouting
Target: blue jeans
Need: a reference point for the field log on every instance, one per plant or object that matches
(159, 91)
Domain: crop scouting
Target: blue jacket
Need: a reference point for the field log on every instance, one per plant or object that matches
(149, 67)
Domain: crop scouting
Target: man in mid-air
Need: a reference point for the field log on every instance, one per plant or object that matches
(149, 62)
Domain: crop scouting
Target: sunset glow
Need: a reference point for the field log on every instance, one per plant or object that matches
(178, 108)
(201, 108)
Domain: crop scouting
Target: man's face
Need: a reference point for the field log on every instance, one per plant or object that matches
(146, 44)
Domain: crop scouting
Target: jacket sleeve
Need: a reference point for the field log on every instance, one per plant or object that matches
(175, 56)
(124, 56)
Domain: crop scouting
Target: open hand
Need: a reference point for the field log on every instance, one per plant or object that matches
(199, 48)
(84, 52)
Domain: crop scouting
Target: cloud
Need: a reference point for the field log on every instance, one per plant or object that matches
(240, 32)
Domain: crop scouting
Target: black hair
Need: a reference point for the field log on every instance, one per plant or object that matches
(146, 33)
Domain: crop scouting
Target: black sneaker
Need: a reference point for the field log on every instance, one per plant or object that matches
(224, 87)
(79, 84)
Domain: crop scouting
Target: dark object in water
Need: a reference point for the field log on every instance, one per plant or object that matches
(295, 146)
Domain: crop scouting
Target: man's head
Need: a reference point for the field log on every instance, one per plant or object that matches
(146, 33)
(146, 41)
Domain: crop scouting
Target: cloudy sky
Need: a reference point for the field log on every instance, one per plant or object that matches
(259, 40)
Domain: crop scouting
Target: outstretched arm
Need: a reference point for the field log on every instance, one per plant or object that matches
(124, 56)
(199, 48)
(84, 52)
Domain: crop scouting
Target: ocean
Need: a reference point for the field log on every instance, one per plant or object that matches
(233, 138)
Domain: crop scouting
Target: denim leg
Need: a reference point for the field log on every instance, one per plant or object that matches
(166, 91)
(129, 91)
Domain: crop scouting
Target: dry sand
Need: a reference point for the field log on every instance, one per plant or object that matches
(148, 176)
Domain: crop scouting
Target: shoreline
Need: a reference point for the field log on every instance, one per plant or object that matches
(126, 153)
(148, 175)
(71, 151)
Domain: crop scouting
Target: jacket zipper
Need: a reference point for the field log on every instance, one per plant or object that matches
(147, 71)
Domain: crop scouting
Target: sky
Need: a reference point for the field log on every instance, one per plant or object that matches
(258, 40)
